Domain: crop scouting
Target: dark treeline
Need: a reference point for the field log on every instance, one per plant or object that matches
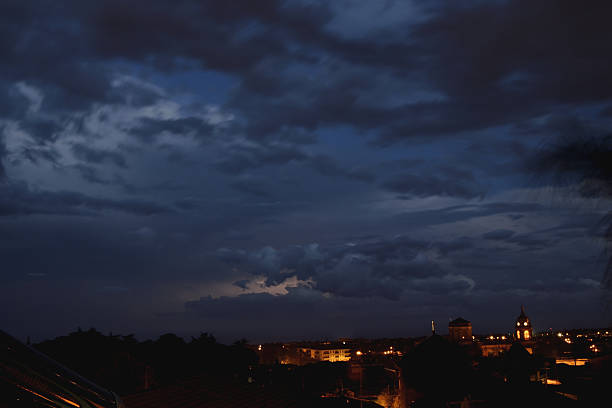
(126, 365)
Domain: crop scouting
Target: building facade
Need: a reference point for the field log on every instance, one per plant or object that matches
(331, 353)
(460, 330)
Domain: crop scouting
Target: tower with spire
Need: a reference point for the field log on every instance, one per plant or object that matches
(523, 329)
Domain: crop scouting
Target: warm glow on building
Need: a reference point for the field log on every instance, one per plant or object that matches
(328, 354)
(525, 333)
(494, 350)
(572, 361)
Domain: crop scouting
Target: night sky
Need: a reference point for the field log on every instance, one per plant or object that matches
(297, 169)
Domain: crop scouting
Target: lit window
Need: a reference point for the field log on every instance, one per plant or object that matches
(526, 334)
(518, 334)
(518, 323)
(525, 324)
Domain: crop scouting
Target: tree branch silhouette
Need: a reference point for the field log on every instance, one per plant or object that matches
(584, 162)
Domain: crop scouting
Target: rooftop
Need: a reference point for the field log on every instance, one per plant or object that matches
(459, 322)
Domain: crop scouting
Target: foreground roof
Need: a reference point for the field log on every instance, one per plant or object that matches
(206, 393)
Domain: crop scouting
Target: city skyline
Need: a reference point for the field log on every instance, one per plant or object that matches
(299, 169)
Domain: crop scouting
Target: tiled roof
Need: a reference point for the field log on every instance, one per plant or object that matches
(459, 322)
(204, 393)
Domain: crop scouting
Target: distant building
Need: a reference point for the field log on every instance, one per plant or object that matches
(524, 332)
(328, 352)
(495, 345)
(460, 330)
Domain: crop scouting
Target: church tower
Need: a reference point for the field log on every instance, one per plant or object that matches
(523, 328)
(460, 330)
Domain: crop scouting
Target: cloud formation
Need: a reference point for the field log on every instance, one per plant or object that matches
(260, 158)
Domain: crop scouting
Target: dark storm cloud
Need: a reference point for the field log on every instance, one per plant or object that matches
(456, 245)
(517, 42)
(215, 34)
(12, 103)
(133, 92)
(272, 123)
(311, 105)
(149, 128)
(383, 268)
(326, 166)
(485, 58)
(460, 184)
(2, 155)
(90, 174)
(36, 155)
(253, 187)
(532, 241)
(467, 212)
(98, 156)
(19, 199)
(500, 234)
(237, 160)
(244, 158)
(42, 130)
(578, 158)
(566, 285)
(373, 267)
(506, 61)
(242, 284)
(47, 45)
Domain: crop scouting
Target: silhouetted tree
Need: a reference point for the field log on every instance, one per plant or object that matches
(585, 162)
(125, 365)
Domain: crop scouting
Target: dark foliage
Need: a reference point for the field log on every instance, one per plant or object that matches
(438, 371)
(583, 160)
(125, 365)
(586, 162)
